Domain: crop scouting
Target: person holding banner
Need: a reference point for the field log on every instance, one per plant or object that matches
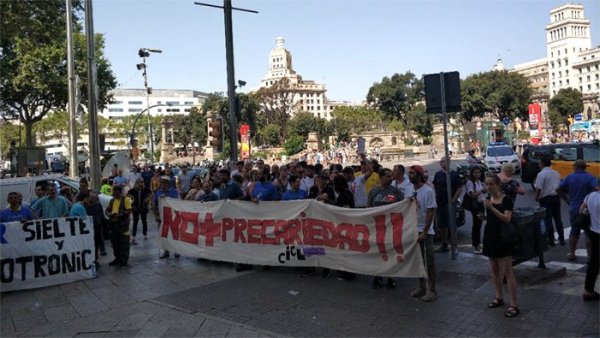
(426, 206)
(118, 211)
(168, 191)
(379, 195)
(51, 206)
(15, 211)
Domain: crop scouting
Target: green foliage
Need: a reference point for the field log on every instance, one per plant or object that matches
(556, 120)
(397, 95)
(269, 135)
(276, 106)
(260, 154)
(294, 144)
(33, 60)
(502, 93)
(302, 123)
(9, 132)
(420, 121)
(354, 120)
(190, 128)
(567, 101)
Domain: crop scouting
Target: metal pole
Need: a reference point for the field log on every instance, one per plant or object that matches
(451, 213)
(230, 81)
(94, 140)
(150, 133)
(74, 163)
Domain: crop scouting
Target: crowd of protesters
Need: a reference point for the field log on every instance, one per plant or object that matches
(365, 185)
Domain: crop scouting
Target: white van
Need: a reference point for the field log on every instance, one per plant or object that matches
(26, 186)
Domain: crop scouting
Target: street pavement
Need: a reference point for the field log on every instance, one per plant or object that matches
(187, 297)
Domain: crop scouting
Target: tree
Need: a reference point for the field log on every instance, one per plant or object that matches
(33, 60)
(420, 121)
(501, 93)
(567, 101)
(9, 132)
(294, 144)
(190, 128)
(269, 135)
(397, 95)
(357, 119)
(277, 105)
(302, 123)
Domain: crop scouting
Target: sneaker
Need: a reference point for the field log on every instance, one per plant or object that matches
(571, 257)
(562, 242)
(123, 264)
(376, 283)
(133, 242)
(391, 284)
(418, 292)
(145, 237)
(103, 253)
(477, 250)
(164, 255)
(113, 263)
(551, 242)
(177, 255)
(430, 296)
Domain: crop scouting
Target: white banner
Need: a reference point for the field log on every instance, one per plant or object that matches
(378, 241)
(46, 252)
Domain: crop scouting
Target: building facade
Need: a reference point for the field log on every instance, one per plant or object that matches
(308, 96)
(131, 102)
(570, 61)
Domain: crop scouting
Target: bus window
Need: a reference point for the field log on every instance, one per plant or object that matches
(591, 154)
(565, 154)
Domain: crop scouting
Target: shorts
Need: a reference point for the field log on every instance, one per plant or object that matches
(575, 230)
(427, 251)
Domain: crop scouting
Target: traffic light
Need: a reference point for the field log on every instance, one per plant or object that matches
(216, 132)
(143, 53)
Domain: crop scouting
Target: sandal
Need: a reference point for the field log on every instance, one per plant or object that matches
(496, 303)
(512, 311)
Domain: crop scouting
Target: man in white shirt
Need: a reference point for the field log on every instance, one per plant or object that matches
(546, 183)
(133, 177)
(426, 205)
(308, 180)
(357, 187)
(400, 182)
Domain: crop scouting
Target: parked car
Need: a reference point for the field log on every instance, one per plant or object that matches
(499, 153)
(26, 186)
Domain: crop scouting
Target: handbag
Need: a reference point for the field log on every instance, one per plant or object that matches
(582, 221)
(469, 203)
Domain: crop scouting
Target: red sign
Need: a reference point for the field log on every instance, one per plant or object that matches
(535, 119)
(245, 141)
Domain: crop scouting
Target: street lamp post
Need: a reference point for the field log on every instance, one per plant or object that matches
(137, 117)
(144, 53)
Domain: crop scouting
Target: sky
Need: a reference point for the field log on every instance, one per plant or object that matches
(346, 44)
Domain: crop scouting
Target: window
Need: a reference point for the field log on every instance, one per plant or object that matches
(135, 102)
(565, 154)
(591, 154)
(134, 110)
(160, 110)
(117, 102)
(172, 102)
(566, 62)
(173, 110)
(115, 110)
(189, 102)
(187, 110)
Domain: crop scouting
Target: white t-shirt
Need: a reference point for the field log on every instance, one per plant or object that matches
(306, 183)
(475, 187)
(357, 186)
(402, 186)
(426, 199)
(593, 204)
(132, 178)
(547, 182)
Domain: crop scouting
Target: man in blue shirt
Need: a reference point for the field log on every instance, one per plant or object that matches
(577, 185)
(78, 209)
(295, 193)
(51, 206)
(15, 212)
(208, 195)
(167, 190)
(229, 190)
(264, 190)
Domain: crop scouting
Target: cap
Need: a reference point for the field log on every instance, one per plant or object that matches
(419, 169)
(165, 178)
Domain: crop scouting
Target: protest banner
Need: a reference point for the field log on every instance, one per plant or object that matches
(46, 252)
(378, 241)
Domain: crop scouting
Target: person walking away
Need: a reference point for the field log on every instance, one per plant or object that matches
(591, 206)
(15, 212)
(546, 183)
(445, 208)
(425, 198)
(140, 197)
(51, 206)
(380, 195)
(499, 213)
(94, 209)
(118, 211)
(577, 185)
(510, 187)
(165, 190)
(476, 190)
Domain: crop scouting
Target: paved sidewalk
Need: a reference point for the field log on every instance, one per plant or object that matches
(187, 297)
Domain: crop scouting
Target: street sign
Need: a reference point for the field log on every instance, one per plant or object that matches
(433, 92)
(506, 121)
(578, 117)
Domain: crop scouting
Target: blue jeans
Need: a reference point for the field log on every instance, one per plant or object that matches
(552, 205)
